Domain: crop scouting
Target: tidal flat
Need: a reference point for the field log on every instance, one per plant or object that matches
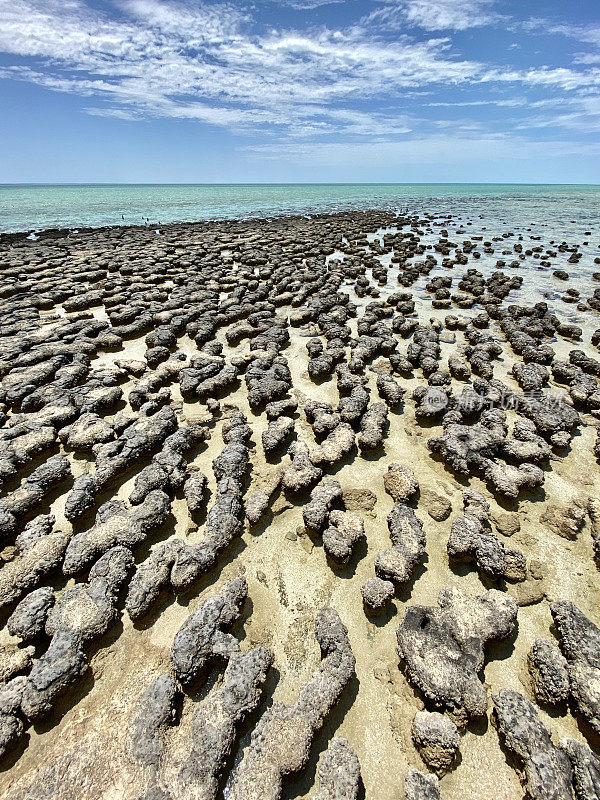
(300, 507)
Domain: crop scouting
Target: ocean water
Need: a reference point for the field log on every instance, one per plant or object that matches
(35, 207)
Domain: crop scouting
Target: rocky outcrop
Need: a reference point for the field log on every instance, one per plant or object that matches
(32, 493)
(580, 643)
(339, 772)
(419, 786)
(398, 563)
(437, 740)
(322, 498)
(546, 769)
(443, 648)
(281, 741)
(342, 535)
(116, 524)
(39, 552)
(203, 636)
(400, 483)
(376, 594)
(471, 539)
(549, 672)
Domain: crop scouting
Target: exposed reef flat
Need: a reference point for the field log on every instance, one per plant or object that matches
(303, 507)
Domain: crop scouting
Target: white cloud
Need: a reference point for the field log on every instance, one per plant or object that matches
(191, 60)
(196, 61)
(435, 149)
(438, 15)
(307, 5)
(584, 33)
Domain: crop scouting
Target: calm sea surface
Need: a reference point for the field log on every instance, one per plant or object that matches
(35, 207)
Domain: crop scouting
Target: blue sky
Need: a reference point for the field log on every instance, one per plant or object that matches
(299, 90)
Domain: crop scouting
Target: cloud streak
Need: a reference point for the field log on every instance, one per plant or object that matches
(215, 63)
(437, 15)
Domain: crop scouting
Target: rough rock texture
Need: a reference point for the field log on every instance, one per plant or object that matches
(202, 636)
(40, 550)
(546, 768)
(471, 539)
(376, 594)
(343, 533)
(437, 740)
(81, 614)
(216, 720)
(549, 672)
(398, 563)
(334, 447)
(281, 741)
(317, 511)
(373, 427)
(339, 772)
(278, 432)
(156, 709)
(418, 786)
(32, 493)
(400, 483)
(116, 525)
(580, 643)
(28, 619)
(194, 491)
(443, 648)
(302, 473)
(586, 769)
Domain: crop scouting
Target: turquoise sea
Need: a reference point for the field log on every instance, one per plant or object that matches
(36, 207)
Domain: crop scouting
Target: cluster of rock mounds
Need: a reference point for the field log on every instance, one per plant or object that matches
(281, 740)
(59, 406)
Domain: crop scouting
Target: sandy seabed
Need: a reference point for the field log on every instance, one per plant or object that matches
(238, 458)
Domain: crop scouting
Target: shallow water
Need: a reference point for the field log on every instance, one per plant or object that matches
(535, 214)
(35, 207)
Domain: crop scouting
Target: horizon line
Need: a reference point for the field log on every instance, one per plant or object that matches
(298, 183)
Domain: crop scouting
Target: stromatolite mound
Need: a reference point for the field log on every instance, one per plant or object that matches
(443, 647)
(437, 740)
(339, 772)
(342, 535)
(546, 768)
(549, 672)
(471, 539)
(398, 563)
(281, 741)
(80, 614)
(400, 483)
(39, 552)
(419, 786)
(215, 720)
(376, 594)
(580, 643)
(203, 635)
(586, 769)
